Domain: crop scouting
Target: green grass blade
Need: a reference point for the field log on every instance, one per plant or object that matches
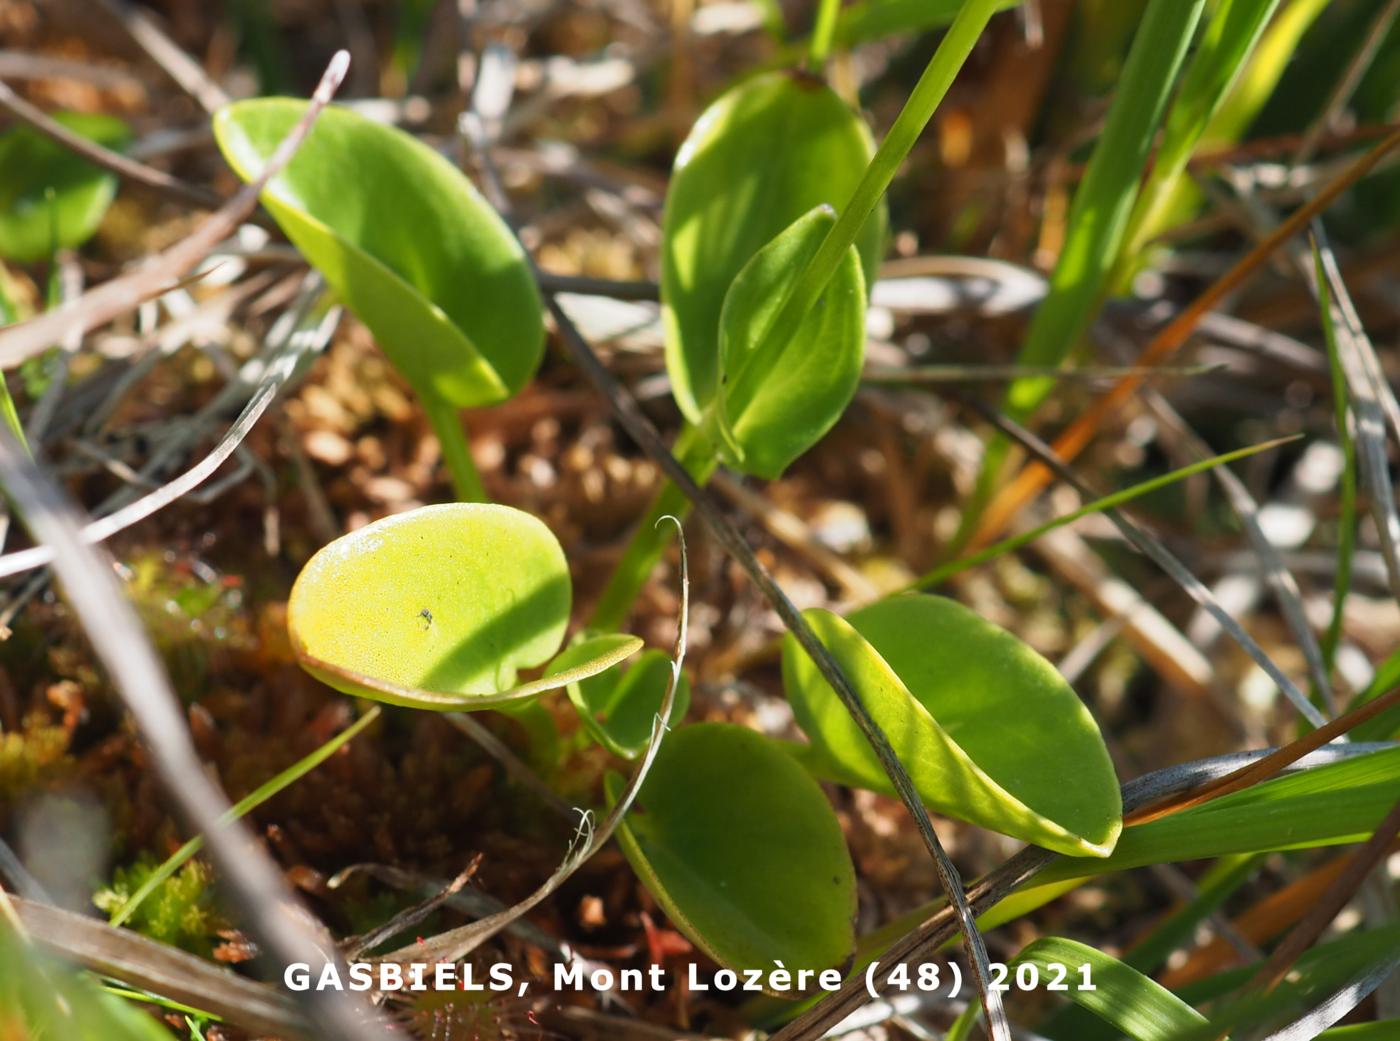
(1319, 974)
(923, 100)
(823, 34)
(1218, 884)
(1098, 216)
(943, 572)
(1237, 112)
(41, 998)
(251, 801)
(1387, 724)
(1229, 39)
(1330, 805)
(1097, 223)
(8, 316)
(1214, 888)
(1122, 997)
(873, 19)
(1381, 1030)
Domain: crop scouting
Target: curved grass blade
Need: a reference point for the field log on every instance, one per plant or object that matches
(1122, 997)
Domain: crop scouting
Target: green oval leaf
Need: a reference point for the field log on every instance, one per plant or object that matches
(987, 729)
(34, 222)
(784, 389)
(439, 608)
(765, 153)
(618, 710)
(405, 240)
(741, 848)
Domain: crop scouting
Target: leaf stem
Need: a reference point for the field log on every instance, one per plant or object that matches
(456, 452)
(696, 453)
(823, 33)
(957, 44)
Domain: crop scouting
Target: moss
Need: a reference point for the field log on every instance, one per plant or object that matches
(179, 912)
(33, 756)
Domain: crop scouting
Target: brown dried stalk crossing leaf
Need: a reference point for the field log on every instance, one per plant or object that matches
(941, 926)
(1257, 773)
(1342, 890)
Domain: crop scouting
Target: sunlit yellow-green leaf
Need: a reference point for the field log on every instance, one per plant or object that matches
(405, 240)
(987, 729)
(764, 154)
(781, 390)
(440, 608)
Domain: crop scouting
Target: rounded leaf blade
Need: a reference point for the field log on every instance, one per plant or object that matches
(451, 599)
(742, 849)
(618, 710)
(783, 389)
(762, 155)
(405, 240)
(986, 727)
(33, 222)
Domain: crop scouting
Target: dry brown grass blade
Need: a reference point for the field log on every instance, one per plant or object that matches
(1014, 496)
(125, 293)
(1337, 895)
(1267, 767)
(1259, 924)
(264, 902)
(160, 969)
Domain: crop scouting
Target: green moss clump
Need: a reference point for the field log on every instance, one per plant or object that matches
(32, 756)
(180, 912)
